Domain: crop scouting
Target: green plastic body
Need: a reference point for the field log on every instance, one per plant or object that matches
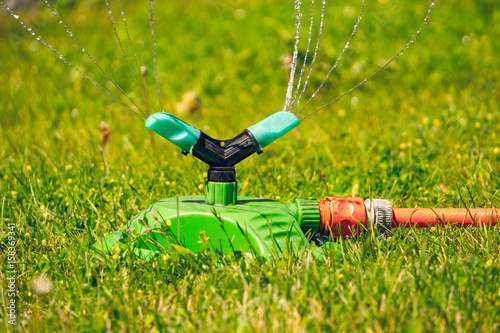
(259, 226)
(174, 130)
(273, 127)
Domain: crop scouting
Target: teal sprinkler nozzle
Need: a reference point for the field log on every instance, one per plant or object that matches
(231, 223)
(174, 130)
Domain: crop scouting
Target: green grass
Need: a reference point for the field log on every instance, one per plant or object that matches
(425, 132)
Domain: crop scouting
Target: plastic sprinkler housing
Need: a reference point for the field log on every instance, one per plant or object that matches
(232, 223)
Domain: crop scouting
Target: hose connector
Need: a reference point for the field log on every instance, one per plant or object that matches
(379, 213)
(341, 216)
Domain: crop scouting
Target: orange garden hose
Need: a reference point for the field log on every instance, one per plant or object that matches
(428, 217)
(348, 216)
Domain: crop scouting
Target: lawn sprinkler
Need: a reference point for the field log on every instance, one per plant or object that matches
(256, 225)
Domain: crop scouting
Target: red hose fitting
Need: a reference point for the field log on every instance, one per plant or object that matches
(341, 216)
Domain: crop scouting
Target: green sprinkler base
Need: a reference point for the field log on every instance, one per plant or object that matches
(220, 220)
(261, 227)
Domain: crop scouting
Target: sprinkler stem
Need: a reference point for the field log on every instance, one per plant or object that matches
(221, 194)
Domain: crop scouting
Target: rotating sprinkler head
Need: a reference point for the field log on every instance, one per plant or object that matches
(222, 155)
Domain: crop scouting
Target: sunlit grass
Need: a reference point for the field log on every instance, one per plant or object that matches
(426, 132)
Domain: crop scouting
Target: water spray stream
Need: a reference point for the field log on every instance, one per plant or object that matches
(355, 28)
(298, 23)
(110, 13)
(320, 33)
(60, 56)
(145, 94)
(406, 47)
(304, 62)
(153, 47)
(88, 54)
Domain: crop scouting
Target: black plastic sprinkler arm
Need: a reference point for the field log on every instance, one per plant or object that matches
(222, 155)
(225, 153)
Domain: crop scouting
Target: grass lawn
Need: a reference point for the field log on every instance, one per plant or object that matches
(425, 132)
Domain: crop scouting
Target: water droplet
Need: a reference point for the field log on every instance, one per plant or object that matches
(16, 16)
